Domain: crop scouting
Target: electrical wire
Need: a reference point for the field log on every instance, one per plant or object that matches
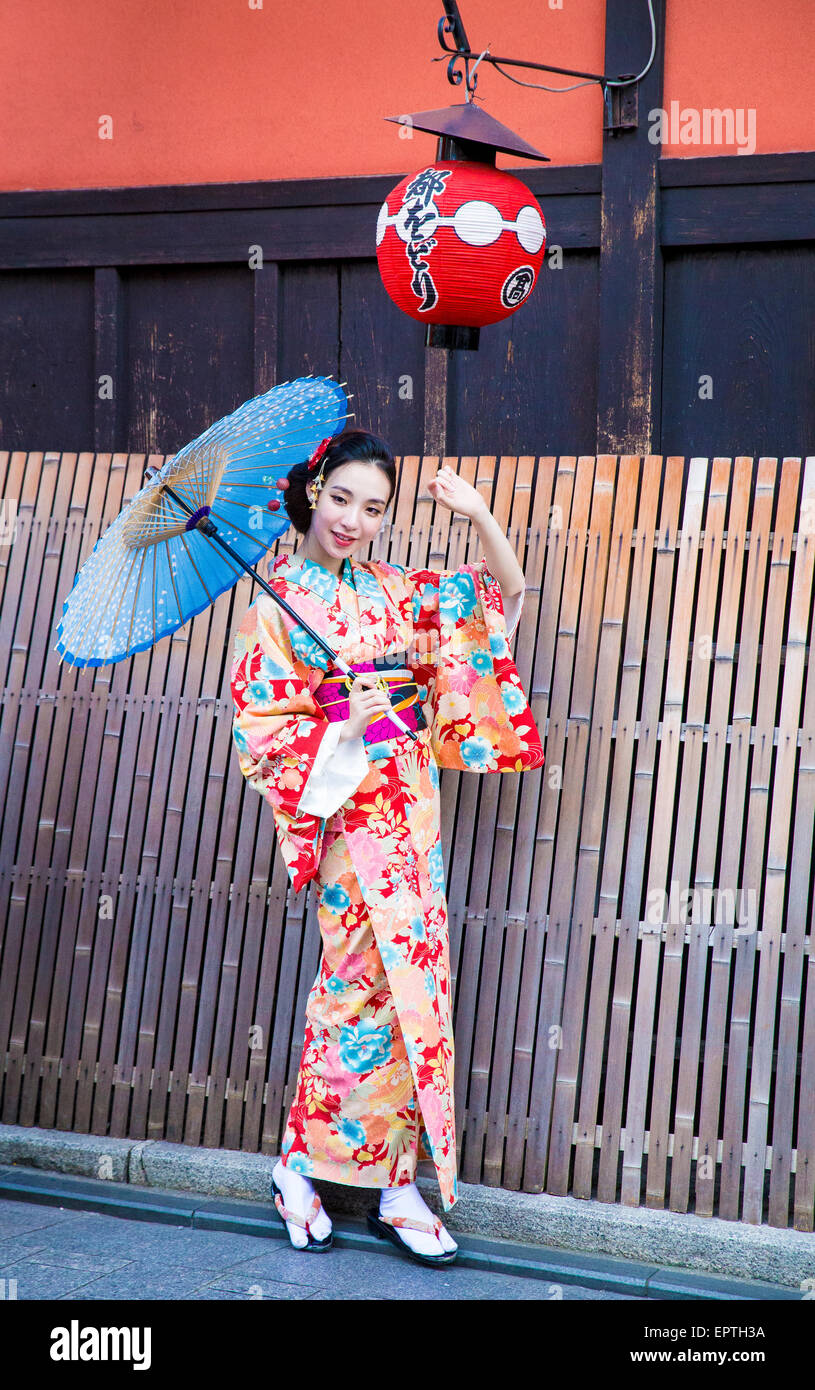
(607, 82)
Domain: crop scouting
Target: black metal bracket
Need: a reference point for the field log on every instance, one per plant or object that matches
(621, 105)
(621, 108)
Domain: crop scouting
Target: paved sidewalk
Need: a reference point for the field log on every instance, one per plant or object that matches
(57, 1253)
(66, 1237)
(648, 1251)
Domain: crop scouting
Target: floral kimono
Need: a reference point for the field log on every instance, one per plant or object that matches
(361, 818)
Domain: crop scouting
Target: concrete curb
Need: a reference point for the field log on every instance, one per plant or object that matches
(558, 1268)
(689, 1243)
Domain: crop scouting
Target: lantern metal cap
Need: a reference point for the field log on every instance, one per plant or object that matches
(470, 123)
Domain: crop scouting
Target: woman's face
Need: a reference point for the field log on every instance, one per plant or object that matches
(351, 505)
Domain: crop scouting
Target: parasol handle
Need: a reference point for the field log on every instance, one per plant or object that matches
(209, 529)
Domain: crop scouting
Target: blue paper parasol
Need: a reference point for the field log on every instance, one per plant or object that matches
(199, 523)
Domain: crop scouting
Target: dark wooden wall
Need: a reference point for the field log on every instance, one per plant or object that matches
(673, 270)
(152, 287)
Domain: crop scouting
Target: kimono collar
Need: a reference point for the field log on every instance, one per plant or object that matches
(309, 574)
(354, 583)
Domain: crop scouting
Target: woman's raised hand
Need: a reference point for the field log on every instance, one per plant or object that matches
(455, 493)
(365, 703)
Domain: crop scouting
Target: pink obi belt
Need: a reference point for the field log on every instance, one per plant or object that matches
(332, 695)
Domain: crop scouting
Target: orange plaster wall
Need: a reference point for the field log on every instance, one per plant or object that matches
(206, 91)
(213, 90)
(742, 54)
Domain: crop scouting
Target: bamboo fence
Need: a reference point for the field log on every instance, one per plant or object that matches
(630, 926)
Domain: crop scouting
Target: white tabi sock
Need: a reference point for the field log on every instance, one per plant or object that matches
(408, 1201)
(298, 1194)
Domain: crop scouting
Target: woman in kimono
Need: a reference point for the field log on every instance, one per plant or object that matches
(357, 811)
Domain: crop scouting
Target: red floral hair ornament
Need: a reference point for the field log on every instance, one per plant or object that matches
(283, 483)
(318, 453)
(312, 464)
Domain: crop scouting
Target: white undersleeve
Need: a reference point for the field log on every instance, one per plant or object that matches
(512, 612)
(337, 772)
(339, 768)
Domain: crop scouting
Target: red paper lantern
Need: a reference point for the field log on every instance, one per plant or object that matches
(460, 242)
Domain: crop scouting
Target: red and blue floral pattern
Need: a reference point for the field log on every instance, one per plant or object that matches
(375, 1086)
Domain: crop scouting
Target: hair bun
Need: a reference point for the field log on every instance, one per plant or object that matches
(349, 446)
